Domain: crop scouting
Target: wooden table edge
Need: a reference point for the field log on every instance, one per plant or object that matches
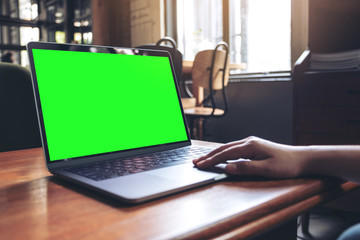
(267, 222)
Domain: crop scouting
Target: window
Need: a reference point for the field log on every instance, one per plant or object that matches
(69, 21)
(199, 25)
(258, 31)
(83, 22)
(59, 21)
(17, 27)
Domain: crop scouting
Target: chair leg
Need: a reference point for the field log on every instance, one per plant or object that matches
(305, 220)
(196, 129)
(191, 126)
(201, 129)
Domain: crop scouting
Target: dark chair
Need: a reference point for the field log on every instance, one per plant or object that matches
(176, 57)
(18, 121)
(210, 74)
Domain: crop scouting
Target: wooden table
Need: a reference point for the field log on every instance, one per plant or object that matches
(36, 205)
(187, 66)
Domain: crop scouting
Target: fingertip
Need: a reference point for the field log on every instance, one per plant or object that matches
(197, 160)
(203, 164)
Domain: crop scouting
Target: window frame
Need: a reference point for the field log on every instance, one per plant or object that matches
(299, 27)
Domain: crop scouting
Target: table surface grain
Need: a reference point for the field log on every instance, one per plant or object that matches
(36, 205)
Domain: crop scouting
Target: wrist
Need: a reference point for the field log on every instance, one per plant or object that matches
(327, 160)
(308, 159)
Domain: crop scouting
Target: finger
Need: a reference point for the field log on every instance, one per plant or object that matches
(232, 153)
(213, 152)
(218, 150)
(255, 168)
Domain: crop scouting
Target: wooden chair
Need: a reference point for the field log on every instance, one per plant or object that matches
(210, 74)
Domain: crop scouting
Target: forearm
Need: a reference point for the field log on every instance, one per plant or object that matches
(338, 161)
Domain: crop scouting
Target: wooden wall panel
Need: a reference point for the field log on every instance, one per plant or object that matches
(111, 22)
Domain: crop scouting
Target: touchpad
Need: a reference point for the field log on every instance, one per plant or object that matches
(183, 172)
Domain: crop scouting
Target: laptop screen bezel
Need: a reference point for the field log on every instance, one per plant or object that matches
(52, 165)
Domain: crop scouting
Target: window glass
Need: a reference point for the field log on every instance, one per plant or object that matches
(199, 25)
(27, 11)
(259, 31)
(27, 34)
(267, 35)
(15, 34)
(60, 37)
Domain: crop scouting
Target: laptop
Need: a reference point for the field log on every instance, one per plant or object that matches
(111, 119)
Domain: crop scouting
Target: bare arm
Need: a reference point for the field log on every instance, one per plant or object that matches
(275, 160)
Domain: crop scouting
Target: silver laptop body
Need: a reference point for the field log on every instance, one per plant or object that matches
(102, 109)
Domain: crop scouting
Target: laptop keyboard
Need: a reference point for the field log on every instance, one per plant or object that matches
(120, 167)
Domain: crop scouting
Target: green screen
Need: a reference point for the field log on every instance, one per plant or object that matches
(95, 103)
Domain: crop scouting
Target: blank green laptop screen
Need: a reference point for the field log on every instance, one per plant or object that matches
(95, 103)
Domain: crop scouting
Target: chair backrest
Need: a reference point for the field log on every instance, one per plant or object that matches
(174, 53)
(18, 122)
(211, 66)
(167, 40)
(211, 72)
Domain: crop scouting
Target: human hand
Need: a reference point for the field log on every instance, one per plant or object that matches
(265, 158)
